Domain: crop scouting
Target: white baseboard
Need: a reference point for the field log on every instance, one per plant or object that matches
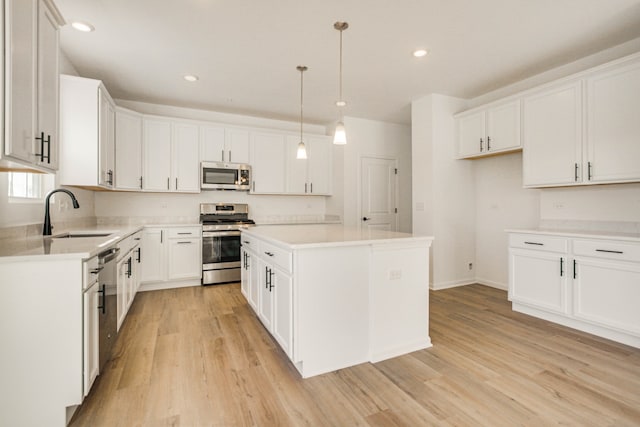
(451, 284)
(157, 286)
(492, 284)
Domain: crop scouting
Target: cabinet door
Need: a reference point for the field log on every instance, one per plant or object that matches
(245, 277)
(266, 284)
(606, 293)
(538, 279)
(211, 143)
(121, 294)
(153, 255)
(613, 125)
(297, 168)
(471, 134)
(552, 132)
(283, 311)
(237, 146)
(186, 158)
(503, 127)
(20, 94)
(185, 261)
(48, 77)
(254, 281)
(268, 163)
(91, 335)
(156, 152)
(319, 173)
(106, 139)
(128, 163)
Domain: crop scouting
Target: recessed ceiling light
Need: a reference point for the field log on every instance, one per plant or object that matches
(191, 78)
(419, 53)
(82, 26)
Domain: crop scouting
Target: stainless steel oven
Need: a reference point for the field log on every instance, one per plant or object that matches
(221, 227)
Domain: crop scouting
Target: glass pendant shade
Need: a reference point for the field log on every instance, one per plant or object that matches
(340, 137)
(302, 151)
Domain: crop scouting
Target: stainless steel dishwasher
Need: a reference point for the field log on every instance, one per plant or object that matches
(107, 308)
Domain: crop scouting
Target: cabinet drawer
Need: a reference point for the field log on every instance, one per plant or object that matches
(539, 242)
(274, 254)
(607, 249)
(250, 243)
(182, 232)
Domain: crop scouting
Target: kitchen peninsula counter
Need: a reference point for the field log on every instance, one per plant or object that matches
(335, 296)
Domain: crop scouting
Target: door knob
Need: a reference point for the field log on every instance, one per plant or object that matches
(364, 218)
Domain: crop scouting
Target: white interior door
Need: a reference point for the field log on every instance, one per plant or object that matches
(378, 193)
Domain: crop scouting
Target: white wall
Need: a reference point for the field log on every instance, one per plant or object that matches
(443, 191)
(370, 138)
(501, 203)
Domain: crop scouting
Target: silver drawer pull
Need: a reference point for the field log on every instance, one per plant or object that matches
(534, 243)
(184, 243)
(269, 253)
(189, 233)
(609, 252)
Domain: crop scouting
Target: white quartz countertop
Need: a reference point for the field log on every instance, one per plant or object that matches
(588, 234)
(82, 247)
(326, 235)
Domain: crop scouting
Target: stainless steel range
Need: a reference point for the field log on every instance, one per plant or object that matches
(221, 226)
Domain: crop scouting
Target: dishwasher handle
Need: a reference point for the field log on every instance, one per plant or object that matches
(108, 255)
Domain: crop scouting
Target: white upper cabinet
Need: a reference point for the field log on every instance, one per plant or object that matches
(171, 153)
(585, 131)
(156, 149)
(237, 146)
(311, 176)
(613, 125)
(218, 144)
(268, 163)
(186, 158)
(106, 138)
(128, 150)
(552, 133)
(489, 130)
(30, 104)
(87, 133)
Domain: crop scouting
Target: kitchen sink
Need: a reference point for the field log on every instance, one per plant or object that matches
(76, 235)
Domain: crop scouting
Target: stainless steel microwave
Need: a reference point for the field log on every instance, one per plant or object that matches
(225, 176)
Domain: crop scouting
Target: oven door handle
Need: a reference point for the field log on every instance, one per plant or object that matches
(220, 233)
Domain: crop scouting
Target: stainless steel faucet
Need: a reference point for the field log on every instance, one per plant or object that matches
(46, 229)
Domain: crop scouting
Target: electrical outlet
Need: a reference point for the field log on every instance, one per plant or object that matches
(470, 266)
(395, 274)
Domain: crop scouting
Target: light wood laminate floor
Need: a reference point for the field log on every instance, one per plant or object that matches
(199, 357)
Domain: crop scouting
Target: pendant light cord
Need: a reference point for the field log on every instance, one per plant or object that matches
(301, 98)
(340, 67)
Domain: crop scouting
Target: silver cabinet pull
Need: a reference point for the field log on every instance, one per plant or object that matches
(609, 251)
(229, 155)
(534, 243)
(168, 183)
(184, 243)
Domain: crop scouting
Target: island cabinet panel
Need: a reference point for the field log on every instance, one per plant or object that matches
(41, 313)
(331, 303)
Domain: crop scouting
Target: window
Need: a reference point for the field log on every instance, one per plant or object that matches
(24, 186)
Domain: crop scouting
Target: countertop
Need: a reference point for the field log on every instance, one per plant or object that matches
(588, 234)
(33, 247)
(324, 235)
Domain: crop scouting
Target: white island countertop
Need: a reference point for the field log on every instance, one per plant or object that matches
(327, 235)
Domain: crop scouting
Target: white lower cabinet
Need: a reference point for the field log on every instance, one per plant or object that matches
(539, 278)
(592, 284)
(128, 275)
(91, 334)
(171, 254)
(268, 286)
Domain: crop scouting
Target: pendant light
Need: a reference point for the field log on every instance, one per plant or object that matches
(302, 150)
(340, 137)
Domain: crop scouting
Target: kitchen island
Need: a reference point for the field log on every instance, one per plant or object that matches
(334, 296)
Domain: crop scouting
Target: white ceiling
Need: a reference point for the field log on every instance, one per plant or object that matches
(246, 51)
